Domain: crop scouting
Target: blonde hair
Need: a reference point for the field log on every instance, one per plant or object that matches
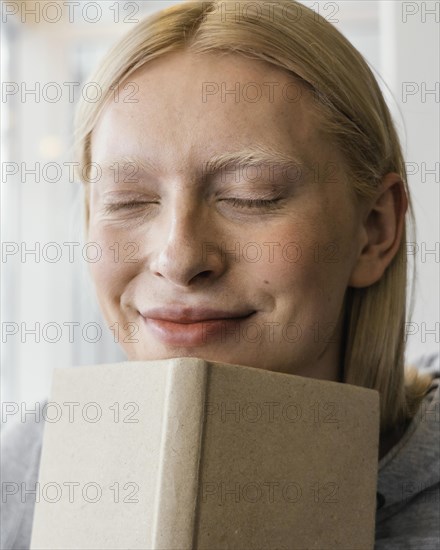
(351, 110)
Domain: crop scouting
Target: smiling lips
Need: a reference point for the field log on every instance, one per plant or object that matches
(192, 326)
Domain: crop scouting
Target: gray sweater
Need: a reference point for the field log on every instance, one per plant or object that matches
(407, 516)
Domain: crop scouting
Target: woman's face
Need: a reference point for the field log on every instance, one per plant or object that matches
(188, 242)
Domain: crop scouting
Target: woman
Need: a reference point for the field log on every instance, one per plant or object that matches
(244, 167)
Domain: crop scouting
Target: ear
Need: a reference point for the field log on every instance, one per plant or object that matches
(381, 232)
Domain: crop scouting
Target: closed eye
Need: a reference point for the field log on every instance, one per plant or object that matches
(254, 203)
(125, 206)
(240, 203)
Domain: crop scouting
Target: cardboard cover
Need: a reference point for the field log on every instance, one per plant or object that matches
(189, 454)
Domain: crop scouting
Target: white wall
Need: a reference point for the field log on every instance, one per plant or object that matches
(410, 65)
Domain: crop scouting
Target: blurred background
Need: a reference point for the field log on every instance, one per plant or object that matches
(49, 315)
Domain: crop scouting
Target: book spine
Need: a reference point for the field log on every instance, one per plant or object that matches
(181, 442)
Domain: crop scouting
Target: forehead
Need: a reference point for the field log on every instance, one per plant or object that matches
(184, 107)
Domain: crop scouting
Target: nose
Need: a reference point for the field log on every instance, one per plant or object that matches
(186, 251)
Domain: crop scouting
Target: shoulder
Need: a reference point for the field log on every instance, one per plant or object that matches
(21, 444)
(413, 523)
(409, 477)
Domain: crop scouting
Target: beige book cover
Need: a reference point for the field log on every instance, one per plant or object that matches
(185, 454)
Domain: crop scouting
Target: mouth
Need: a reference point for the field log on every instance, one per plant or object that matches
(194, 327)
(188, 315)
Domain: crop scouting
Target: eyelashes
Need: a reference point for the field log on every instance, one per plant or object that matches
(110, 208)
(254, 203)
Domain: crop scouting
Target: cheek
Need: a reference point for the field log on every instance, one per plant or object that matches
(308, 268)
(117, 262)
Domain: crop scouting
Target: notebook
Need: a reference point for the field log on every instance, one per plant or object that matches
(185, 453)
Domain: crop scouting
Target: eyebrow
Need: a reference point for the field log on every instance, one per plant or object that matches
(254, 155)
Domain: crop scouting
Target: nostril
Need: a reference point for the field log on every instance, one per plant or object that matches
(203, 274)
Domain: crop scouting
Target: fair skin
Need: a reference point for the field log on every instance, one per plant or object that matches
(184, 222)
